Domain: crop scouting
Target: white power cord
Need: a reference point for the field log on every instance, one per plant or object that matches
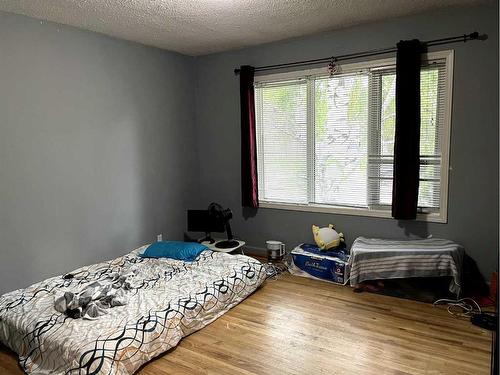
(465, 307)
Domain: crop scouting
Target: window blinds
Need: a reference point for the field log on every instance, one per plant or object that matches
(330, 140)
(281, 121)
(381, 135)
(341, 129)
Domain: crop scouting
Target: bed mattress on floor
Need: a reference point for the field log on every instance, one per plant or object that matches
(173, 299)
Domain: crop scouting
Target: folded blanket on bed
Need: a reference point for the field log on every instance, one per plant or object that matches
(96, 297)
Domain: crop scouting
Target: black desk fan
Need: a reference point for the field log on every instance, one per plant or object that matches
(221, 215)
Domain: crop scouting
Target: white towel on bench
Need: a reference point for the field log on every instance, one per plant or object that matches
(373, 259)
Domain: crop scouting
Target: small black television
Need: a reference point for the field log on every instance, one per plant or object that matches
(214, 219)
(202, 221)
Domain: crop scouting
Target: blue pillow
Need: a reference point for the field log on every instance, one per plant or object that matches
(187, 251)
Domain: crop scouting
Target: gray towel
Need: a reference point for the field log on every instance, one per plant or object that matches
(373, 259)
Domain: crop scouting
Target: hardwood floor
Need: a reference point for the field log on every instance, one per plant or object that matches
(300, 326)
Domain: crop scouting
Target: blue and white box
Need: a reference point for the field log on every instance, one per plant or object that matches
(326, 266)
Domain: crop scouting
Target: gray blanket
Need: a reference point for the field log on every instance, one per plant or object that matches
(373, 259)
(93, 299)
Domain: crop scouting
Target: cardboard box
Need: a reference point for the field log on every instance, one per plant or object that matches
(318, 265)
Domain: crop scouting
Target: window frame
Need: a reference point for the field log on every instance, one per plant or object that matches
(439, 217)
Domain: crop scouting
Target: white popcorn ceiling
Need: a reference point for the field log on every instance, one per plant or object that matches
(199, 27)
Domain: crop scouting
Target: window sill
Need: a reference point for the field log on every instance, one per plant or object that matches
(431, 217)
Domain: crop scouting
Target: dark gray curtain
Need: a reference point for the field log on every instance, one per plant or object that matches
(407, 137)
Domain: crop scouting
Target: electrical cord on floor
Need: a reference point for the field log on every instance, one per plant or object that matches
(468, 308)
(273, 270)
(465, 307)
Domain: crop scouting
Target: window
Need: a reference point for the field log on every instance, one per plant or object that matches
(326, 143)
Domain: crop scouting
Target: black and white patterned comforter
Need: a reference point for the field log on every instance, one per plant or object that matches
(171, 300)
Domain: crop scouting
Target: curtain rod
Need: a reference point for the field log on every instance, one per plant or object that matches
(436, 42)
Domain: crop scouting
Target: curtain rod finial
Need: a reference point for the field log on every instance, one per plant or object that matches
(476, 36)
(482, 36)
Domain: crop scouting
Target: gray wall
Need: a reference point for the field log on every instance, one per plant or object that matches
(97, 147)
(473, 195)
(99, 140)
